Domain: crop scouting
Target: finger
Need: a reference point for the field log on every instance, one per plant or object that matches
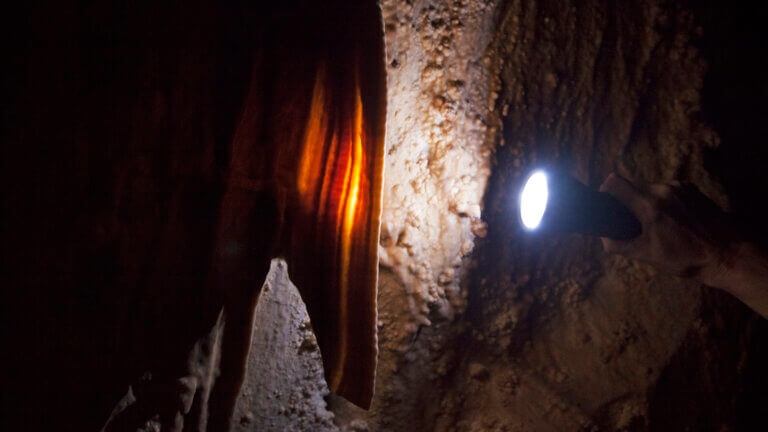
(624, 191)
(661, 191)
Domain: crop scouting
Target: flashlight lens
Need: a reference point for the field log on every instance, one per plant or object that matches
(533, 200)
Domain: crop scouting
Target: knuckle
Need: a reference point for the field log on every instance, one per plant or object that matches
(660, 191)
(666, 192)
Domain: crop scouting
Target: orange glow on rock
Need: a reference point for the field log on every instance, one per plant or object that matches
(314, 138)
(333, 256)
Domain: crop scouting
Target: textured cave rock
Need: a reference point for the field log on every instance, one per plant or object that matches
(482, 329)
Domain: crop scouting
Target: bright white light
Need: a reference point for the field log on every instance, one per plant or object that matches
(533, 200)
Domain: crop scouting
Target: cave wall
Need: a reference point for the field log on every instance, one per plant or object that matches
(139, 211)
(484, 329)
(116, 129)
(479, 327)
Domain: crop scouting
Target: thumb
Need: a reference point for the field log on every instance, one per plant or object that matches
(627, 194)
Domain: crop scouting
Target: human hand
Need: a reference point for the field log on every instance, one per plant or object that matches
(684, 233)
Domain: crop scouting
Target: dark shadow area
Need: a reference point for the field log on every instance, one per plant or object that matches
(695, 392)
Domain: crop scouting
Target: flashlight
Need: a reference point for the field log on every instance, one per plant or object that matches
(551, 200)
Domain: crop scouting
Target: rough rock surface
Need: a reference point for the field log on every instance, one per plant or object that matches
(438, 144)
(546, 334)
(284, 388)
